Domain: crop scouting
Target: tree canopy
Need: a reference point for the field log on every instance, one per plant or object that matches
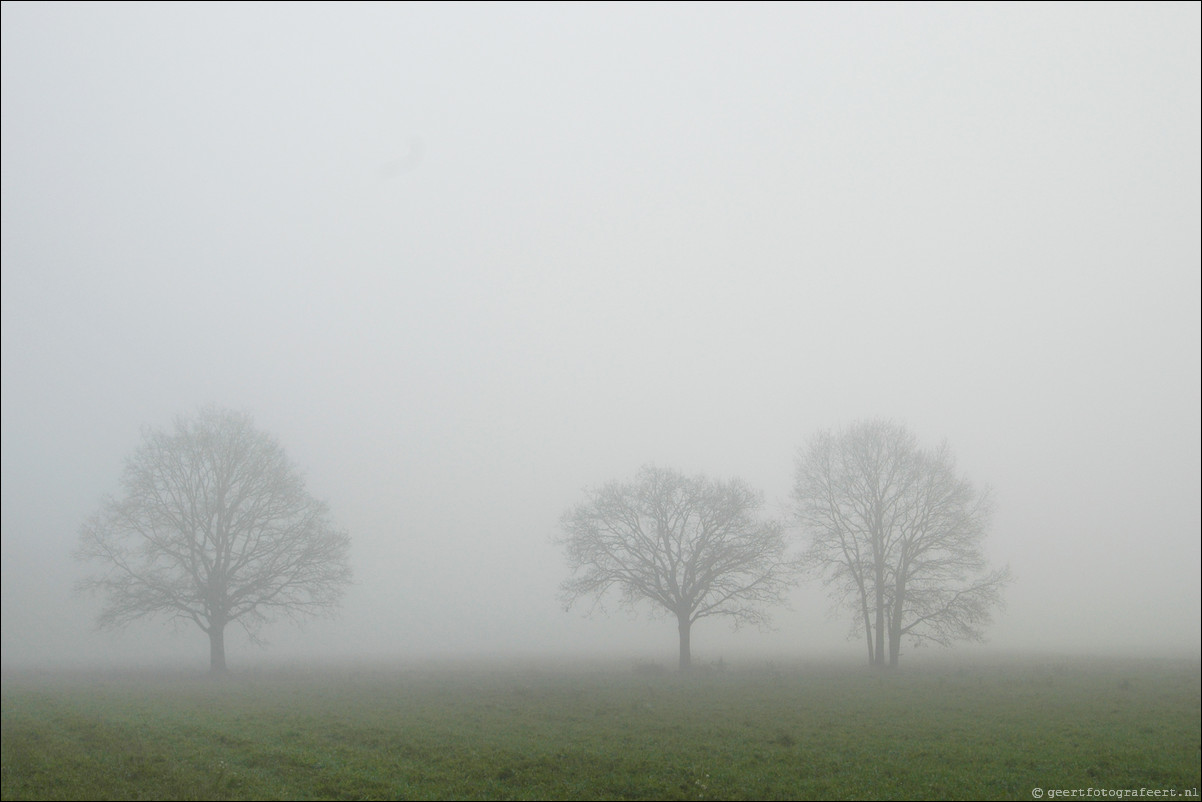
(215, 526)
(693, 547)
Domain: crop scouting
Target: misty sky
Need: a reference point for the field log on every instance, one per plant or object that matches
(466, 261)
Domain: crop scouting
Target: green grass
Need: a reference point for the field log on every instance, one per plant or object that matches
(769, 732)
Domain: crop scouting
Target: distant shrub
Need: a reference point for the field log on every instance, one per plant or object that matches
(647, 668)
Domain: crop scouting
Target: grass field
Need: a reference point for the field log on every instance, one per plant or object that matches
(784, 731)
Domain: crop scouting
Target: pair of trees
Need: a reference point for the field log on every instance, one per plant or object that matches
(893, 530)
(897, 535)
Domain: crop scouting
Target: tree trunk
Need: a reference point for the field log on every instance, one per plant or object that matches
(880, 630)
(683, 625)
(895, 629)
(878, 596)
(217, 648)
(895, 638)
(868, 633)
(895, 615)
(864, 610)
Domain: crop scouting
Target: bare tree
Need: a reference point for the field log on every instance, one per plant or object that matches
(215, 527)
(897, 534)
(694, 547)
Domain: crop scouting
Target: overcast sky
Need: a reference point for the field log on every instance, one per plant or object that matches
(466, 261)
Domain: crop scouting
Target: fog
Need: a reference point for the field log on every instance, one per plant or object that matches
(467, 261)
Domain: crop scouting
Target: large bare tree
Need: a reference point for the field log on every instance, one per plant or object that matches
(215, 526)
(694, 547)
(897, 534)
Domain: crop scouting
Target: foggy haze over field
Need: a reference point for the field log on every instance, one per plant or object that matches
(467, 261)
